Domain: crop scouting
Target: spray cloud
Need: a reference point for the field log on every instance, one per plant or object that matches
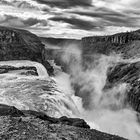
(103, 109)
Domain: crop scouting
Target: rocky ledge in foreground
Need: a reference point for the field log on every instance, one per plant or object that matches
(16, 124)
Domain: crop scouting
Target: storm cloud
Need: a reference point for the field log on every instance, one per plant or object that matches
(71, 18)
(66, 3)
(12, 21)
(77, 23)
(111, 18)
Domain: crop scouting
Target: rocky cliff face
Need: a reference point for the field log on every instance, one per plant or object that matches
(120, 38)
(126, 43)
(16, 44)
(19, 45)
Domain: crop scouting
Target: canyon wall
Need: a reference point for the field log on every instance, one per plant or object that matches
(125, 43)
(17, 44)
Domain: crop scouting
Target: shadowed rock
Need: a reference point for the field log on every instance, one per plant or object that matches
(6, 110)
(16, 124)
(74, 122)
(64, 120)
(29, 69)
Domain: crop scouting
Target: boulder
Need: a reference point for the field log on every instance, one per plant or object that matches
(6, 110)
(74, 122)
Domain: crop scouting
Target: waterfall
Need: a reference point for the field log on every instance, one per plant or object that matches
(41, 70)
(40, 93)
(57, 96)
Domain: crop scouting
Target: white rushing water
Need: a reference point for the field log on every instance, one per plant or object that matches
(39, 93)
(103, 110)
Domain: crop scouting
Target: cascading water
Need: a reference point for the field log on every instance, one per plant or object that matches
(55, 96)
(39, 93)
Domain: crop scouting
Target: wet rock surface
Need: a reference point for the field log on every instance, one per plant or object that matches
(127, 73)
(16, 124)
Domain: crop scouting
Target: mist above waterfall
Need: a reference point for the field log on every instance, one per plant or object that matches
(104, 109)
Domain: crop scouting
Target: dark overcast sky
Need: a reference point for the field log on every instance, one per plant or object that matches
(71, 18)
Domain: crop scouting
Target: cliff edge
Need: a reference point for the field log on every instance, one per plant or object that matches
(17, 44)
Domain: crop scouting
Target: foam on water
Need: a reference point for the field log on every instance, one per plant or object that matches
(40, 93)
